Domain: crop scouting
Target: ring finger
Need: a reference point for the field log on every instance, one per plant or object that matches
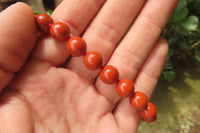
(131, 53)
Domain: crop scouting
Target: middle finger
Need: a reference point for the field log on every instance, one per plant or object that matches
(105, 31)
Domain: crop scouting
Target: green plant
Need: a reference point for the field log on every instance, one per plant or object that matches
(183, 35)
(36, 12)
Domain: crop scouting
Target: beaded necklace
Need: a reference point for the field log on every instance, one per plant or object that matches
(76, 47)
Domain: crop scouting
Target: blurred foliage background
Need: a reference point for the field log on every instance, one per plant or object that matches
(183, 35)
(177, 95)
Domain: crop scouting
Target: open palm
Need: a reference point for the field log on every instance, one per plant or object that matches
(44, 90)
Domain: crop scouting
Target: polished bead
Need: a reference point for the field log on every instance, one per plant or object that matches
(109, 74)
(93, 60)
(76, 46)
(149, 114)
(139, 101)
(60, 31)
(43, 21)
(125, 88)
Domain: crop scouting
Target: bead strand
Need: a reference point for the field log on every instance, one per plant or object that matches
(109, 74)
(42, 22)
(76, 47)
(60, 31)
(93, 60)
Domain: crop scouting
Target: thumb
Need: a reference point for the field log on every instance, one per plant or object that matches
(17, 38)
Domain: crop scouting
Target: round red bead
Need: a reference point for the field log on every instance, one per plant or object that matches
(149, 114)
(43, 21)
(109, 74)
(60, 31)
(125, 88)
(93, 60)
(76, 46)
(139, 101)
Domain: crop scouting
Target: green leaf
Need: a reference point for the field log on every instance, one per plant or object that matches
(36, 12)
(190, 23)
(197, 58)
(180, 12)
(49, 12)
(181, 30)
(169, 75)
(168, 66)
(170, 53)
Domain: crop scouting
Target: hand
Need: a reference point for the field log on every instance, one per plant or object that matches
(41, 92)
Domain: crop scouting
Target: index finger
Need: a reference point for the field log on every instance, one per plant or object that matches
(77, 13)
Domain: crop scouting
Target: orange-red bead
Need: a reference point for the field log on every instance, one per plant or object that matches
(43, 21)
(109, 74)
(76, 46)
(139, 101)
(125, 88)
(149, 114)
(93, 60)
(60, 31)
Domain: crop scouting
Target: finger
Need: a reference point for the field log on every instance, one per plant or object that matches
(138, 43)
(106, 30)
(127, 116)
(77, 14)
(152, 68)
(17, 38)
